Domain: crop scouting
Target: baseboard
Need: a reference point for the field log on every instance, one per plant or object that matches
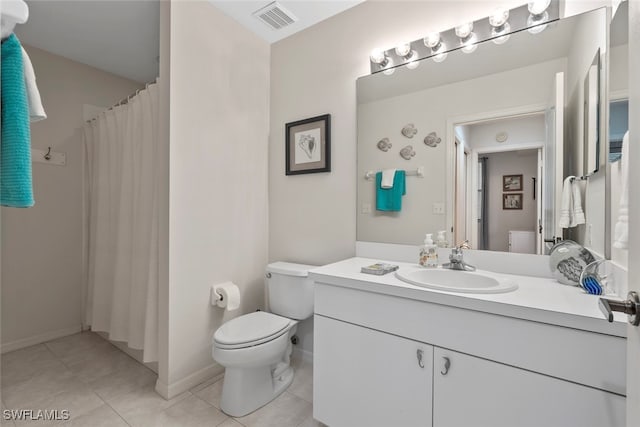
(305, 355)
(169, 391)
(38, 339)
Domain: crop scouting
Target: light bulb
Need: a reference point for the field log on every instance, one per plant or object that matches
(469, 45)
(413, 64)
(403, 49)
(538, 7)
(536, 23)
(432, 40)
(440, 57)
(499, 18)
(464, 30)
(501, 35)
(389, 71)
(378, 56)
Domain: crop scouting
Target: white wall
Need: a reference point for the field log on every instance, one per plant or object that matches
(42, 265)
(520, 130)
(430, 110)
(502, 221)
(218, 228)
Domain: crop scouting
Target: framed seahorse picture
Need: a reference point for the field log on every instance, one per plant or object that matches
(308, 145)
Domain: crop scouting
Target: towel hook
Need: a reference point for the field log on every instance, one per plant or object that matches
(48, 155)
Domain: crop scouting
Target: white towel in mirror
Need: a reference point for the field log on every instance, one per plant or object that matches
(36, 110)
(571, 212)
(387, 178)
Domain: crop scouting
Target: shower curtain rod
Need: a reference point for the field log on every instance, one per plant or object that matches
(126, 100)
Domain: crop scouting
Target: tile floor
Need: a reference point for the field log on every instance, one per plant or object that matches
(103, 387)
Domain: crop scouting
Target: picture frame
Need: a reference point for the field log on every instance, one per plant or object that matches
(308, 145)
(512, 182)
(512, 201)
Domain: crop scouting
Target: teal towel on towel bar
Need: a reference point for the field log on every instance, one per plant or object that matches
(15, 146)
(390, 199)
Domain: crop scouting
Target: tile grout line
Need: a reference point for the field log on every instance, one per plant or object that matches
(116, 412)
(87, 382)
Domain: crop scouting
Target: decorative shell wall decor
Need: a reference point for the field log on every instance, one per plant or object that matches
(432, 140)
(409, 130)
(384, 144)
(407, 152)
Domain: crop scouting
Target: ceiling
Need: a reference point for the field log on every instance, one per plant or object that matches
(122, 37)
(307, 12)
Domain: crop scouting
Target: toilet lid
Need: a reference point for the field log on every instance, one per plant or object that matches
(250, 327)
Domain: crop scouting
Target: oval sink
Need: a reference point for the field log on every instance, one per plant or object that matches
(456, 281)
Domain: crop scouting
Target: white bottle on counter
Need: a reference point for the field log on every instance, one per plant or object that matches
(429, 253)
(441, 241)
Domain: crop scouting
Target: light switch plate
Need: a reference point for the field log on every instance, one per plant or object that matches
(438, 208)
(366, 208)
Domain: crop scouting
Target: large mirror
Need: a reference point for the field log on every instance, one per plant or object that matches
(486, 140)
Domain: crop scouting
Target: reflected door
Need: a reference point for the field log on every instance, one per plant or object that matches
(554, 162)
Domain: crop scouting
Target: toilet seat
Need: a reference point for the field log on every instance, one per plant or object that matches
(250, 330)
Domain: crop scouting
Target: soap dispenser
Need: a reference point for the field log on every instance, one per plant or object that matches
(442, 242)
(428, 253)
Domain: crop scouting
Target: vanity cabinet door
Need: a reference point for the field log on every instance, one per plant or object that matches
(366, 378)
(476, 392)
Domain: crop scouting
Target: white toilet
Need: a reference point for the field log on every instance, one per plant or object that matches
(255, 348)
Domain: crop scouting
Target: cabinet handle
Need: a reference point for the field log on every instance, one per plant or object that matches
(447, 365)
(419, 355)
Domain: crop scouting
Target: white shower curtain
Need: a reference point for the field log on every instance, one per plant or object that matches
(122, 171)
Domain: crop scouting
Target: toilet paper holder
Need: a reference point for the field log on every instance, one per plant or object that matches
(225, 295)
(215, 296)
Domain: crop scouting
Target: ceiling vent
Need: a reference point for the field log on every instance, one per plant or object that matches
(275, 16)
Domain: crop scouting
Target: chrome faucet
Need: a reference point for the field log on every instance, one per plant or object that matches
(456, 262)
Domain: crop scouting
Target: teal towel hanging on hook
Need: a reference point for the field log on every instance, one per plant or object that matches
(15, 146)
(390, 199)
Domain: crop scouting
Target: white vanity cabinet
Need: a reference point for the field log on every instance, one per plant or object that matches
(368, 378)
(478, 392)
(508, 366)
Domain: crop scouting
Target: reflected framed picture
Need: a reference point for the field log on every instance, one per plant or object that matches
(308, 145)
(512, 201)
(511, 182)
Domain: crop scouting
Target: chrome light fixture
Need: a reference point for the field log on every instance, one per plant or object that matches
(538, 16)
(533, 17)
(500, 28)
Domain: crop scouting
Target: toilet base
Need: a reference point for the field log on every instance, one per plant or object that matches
(248, 389)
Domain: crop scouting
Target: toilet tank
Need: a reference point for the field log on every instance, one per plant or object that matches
(289, 290)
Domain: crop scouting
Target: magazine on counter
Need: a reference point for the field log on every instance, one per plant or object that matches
(379, 268)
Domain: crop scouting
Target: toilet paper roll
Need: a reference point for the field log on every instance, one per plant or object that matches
(228, 296)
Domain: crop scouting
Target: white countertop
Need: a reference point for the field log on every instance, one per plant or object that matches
(536, 299)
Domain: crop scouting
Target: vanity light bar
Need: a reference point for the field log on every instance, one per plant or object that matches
(519, 19)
